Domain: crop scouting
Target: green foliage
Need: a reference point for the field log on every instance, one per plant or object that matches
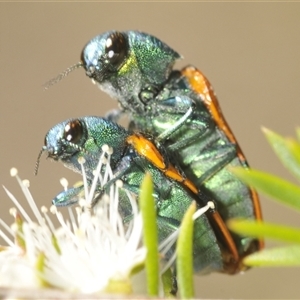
(184, 262)
(184, 257)
(287, 193)
(147, 208)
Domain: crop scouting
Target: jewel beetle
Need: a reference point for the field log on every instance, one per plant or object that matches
(133, 155)
(137, 69)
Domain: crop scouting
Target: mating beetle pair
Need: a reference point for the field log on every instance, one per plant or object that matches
(180, 111)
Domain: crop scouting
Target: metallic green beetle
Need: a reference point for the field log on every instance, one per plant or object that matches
(133, 155)
(136, 69)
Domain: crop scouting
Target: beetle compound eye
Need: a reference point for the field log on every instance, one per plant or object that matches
(73, 131)
(116, 48)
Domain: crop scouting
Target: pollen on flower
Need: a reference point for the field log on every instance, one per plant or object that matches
(44, 209)
(110, 151)
(53, 209)
(105, 148)
(13, 211)
(13, 172)
(14, 227)
(81, 160)
(119, 183)
(64, 182)
(26, 183)
(204, 209)
(211, 204)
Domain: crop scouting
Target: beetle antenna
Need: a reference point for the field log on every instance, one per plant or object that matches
(62, 75)
(37, 164)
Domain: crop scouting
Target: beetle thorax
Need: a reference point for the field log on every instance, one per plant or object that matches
(126, 88)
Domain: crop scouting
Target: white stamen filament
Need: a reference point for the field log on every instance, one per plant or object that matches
(94, 248)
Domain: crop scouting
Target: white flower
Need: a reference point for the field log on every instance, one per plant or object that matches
(90, 253)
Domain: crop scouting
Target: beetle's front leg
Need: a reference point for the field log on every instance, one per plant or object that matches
(175, 105)
(114, 115)
(177, 112)
(123, 166)
(69, 197)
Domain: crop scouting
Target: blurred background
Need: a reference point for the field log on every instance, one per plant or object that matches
(249, 52)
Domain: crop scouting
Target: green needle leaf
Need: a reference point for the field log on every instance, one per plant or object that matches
(167, 282)
(298, 133)
(276, 257)
(147, 207)
(273, 186)
(288, 151)
(184, 249)
(265, 230)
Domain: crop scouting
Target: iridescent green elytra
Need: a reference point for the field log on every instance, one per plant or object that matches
(136, 69)
(84, 137)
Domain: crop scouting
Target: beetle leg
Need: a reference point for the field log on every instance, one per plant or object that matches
(175, 126)
(223, 156)
(68, 197)
(113, 115)
(175, 105)
(183, 142)
(181, 112)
